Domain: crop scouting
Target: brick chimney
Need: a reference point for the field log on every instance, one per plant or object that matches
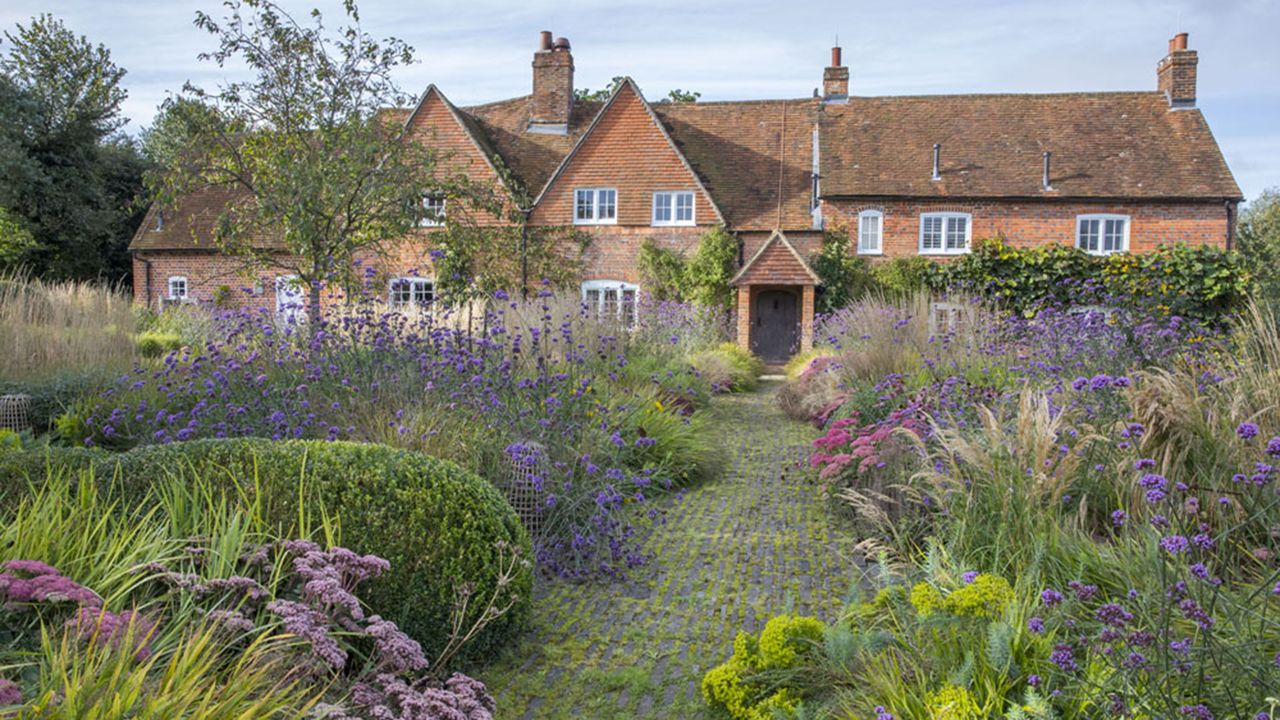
(835, 80)
(1176, 74)
(552, 86)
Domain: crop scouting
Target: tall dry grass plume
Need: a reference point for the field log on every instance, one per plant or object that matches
(50, 327)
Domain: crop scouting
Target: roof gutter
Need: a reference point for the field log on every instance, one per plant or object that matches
(1037, 198)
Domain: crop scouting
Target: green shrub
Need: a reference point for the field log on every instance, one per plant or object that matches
(155, 344)
(684, 448)
(906, 275)
(661, 271)
(708, 272)
(741, 688)
(1201, 282)
(729, 367)
(845, 277)
(436, 523)
(52, 397)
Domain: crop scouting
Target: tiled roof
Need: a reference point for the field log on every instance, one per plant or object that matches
(755, 157)
(531, 157)
(776, 262)
(190, 224)
(1103, 145)
(746, 154)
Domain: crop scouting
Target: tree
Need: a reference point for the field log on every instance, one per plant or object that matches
(681, 96)
(73, 81)
(65, 176)
(1259, 242)
(598, 95)
(319, 174)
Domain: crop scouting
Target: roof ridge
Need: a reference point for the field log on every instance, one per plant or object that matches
(1031, 94)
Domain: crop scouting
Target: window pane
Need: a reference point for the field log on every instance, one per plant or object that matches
(584, 203)
(606, 204)
(956, 227)
(593, 300)
(1089, 235)
(932, 236)
(609, 308)
(684, 207)
(1113, 236)
(662, 207)
(629, 307)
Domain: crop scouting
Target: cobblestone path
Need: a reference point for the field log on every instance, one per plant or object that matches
(733, 553)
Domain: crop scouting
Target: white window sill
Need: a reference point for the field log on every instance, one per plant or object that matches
(596, 222)
(673, 224)
(945, 252)
(1105, 253)
(871, 252)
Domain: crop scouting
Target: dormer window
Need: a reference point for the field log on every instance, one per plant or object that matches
(673, 207)
(432, 211)
(159, 221)
(595, 206)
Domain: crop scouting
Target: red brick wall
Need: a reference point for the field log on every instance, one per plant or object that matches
(1031, 223)
(205, 272)
(626, 151)
(613, 252)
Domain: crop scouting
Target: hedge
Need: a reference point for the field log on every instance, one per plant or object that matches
(436, 523)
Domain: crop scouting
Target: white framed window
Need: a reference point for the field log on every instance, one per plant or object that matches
(611, 299)
(870, 230)
(945, 233)
(409, 291)
(673, 207)
(595, 206)
(432, 211)
(178, 288)
(1102, 234)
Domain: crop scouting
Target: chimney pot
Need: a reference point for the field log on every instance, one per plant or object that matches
(552, 102)
(835, 79)
(937, 161)
(1176, 74)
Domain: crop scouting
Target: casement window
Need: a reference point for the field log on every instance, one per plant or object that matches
(1102, 234)
(410, 291)
(432, 211)
(177, 288)
(595, 206)
(870, 228)
(611, 299)
(945, 233)
(673, 208)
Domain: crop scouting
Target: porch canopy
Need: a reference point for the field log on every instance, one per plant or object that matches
(776, 301)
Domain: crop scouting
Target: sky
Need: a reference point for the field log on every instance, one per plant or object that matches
(480, 50)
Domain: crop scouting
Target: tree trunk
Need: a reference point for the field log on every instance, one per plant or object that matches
(313, 303)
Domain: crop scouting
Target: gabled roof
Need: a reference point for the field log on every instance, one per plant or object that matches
(1127, 145)
(776, 263)
(628, 86)
(531, 157)
(466, 124)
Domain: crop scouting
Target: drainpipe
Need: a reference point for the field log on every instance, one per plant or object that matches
(1230, 205)
(147, 275)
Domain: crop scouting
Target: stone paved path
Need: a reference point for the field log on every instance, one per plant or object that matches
(732, 553)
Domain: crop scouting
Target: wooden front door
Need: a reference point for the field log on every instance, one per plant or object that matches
(776, 325)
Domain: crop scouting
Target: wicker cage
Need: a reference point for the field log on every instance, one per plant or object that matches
(15, 412)
(526, 470)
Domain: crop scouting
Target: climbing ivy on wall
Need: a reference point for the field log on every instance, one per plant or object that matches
(702, 279)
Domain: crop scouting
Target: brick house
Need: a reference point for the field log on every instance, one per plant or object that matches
(904, 176)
